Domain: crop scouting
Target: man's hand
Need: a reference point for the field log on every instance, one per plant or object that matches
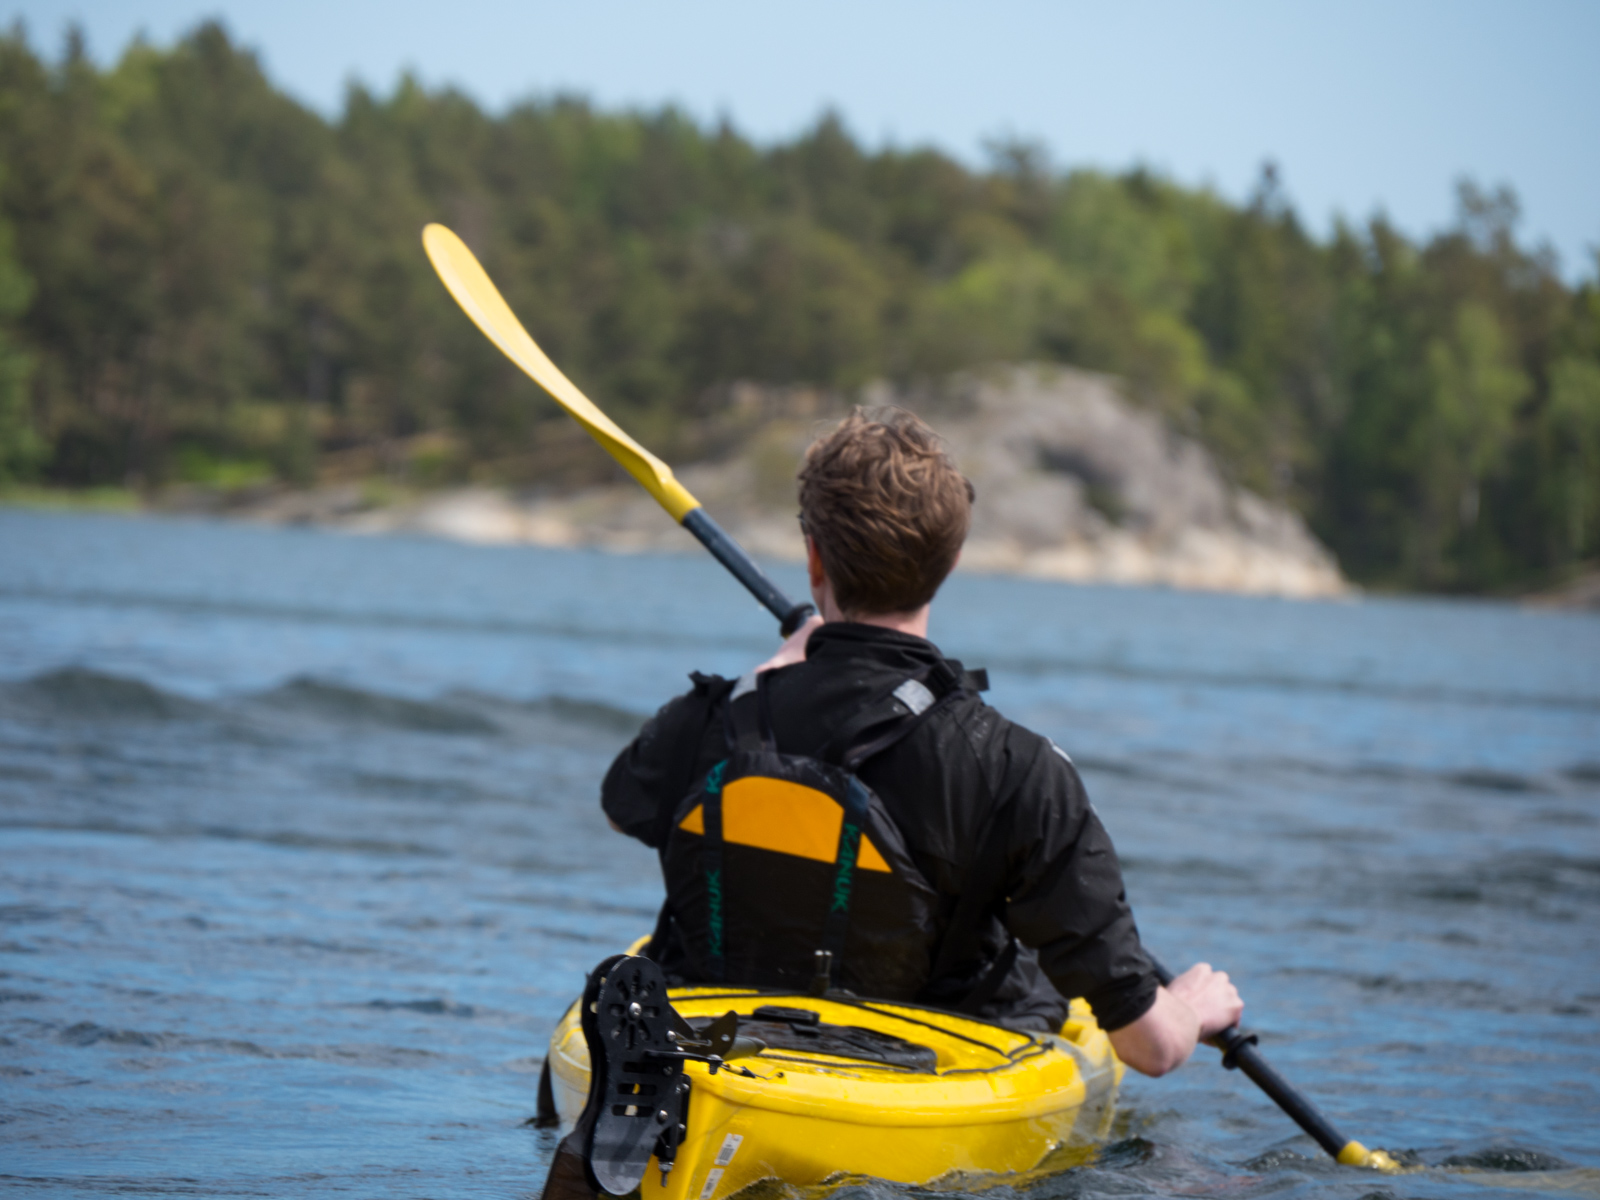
(1211, 995)
(1195, 1005)
(793, 649)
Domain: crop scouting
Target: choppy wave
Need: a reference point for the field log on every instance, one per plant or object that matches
(291, 839)
(1520, 880)
(428, 790)
(435, 1007)
(587, 712)
(94, 695)
(337, 702)
(513, 715)
(1475, 778)
(87, 1034)
(1189, 770)
(83, 694)
(377, 618)
(1527, 1167)
(1507, 1158)
(1044, 664)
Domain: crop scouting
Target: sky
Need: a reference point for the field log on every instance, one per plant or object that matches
(1364, 106)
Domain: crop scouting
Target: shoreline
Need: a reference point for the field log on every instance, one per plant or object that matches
(283, 507)
(621, 519)
(1074, 482)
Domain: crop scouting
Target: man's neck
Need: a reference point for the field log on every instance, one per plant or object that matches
(914, 622)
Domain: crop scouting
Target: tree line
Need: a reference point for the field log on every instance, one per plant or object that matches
(203, 280)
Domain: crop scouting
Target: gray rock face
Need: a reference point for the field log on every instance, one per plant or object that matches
(1073, 482)
(1076, 483)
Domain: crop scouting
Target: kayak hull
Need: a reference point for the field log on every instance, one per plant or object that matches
(998, 1102)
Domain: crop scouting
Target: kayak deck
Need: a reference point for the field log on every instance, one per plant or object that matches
(895, 1092)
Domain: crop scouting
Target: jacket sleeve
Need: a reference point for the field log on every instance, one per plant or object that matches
(656, 770)
(1065, 895)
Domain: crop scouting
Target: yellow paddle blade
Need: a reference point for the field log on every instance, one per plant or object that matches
(1355, 1154)
(476, 293)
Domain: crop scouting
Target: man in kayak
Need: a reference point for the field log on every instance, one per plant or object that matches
(1004, 884)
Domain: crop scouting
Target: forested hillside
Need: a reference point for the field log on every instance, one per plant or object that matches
(201, 280)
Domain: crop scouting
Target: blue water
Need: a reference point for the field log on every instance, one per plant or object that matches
(300, 856)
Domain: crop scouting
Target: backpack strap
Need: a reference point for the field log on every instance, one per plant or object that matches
(747, 725)
(851, 830)
(892, 714)
(711, 867)
(747, 717)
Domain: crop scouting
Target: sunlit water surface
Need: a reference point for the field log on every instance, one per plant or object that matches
(300, 856)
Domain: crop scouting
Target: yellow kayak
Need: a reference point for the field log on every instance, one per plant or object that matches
(853, 1087)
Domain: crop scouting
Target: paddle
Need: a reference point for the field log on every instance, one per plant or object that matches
(482, 301)
(1239, 1053)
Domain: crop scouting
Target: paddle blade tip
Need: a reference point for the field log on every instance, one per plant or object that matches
(1355, 1154)
(443, 245)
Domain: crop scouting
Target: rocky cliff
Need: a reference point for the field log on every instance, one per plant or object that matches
(1074, 482)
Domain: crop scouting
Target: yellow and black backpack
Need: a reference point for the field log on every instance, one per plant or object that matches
(786, 871)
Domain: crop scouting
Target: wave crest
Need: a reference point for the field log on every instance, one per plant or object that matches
(98, 695)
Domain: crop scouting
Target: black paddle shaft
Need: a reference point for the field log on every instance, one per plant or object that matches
(1239, 1053)
(731, 555)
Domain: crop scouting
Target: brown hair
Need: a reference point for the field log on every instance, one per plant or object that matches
(887, 508)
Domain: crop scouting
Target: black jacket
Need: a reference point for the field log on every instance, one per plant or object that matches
(985, 806)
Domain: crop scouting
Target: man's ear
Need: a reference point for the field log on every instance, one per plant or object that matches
(814, 563)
